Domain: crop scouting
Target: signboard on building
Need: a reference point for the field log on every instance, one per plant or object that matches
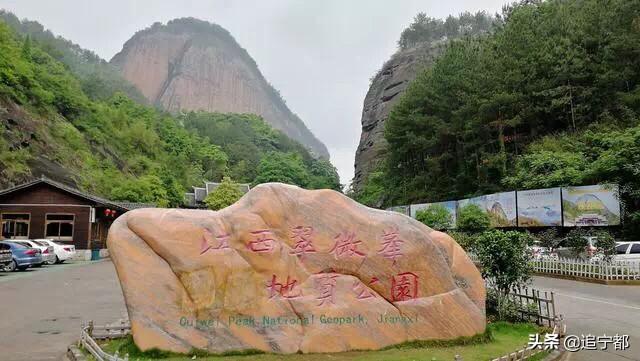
(596, 205)
(540, 208)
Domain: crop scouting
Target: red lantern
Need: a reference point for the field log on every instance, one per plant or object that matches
(113, 213)
(106, 212)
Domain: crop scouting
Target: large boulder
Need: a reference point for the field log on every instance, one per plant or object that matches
(288, 270)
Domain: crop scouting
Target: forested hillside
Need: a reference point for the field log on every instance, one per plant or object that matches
(98, 78)
(56, 119)
(550, 97)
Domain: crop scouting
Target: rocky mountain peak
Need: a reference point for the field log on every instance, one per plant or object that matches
(190, 64)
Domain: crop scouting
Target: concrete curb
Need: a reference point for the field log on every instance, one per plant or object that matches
(74, 354)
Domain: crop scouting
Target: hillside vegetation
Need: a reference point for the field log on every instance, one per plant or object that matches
(53, 122)
(550, 97)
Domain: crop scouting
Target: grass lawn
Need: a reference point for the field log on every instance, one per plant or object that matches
(500, 339)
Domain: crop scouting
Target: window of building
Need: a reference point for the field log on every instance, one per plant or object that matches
(15, 225)
(59, 226)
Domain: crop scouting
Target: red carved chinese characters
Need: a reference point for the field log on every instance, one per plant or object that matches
(404, 286)
(208, 243)
(326, 286)
(262, 241)
(346, 246)
(285, 290)
(302, 236)
(363, 292)
(391, 245)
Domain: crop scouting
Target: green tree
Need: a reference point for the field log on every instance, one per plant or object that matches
(548, 238)
(284, 168)
(605, 244)
(472, 218)
(226, 194)
(373, 190)
(577, 241)
(435, 216)
(504, 261)
(147, 189)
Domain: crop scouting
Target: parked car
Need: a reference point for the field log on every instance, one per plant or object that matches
(627, 251)
(48, 255)
(5, 256)
(62, 251)
(23, 256)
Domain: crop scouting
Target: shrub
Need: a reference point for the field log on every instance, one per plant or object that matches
(504, 261)
(465, 240)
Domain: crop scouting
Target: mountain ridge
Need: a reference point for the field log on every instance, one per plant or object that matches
(190, 64)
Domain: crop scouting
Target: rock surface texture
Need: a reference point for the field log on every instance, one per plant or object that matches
(286, 270)
(385, 91)
(190, 64)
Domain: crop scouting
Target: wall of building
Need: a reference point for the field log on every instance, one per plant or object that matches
(81, 227)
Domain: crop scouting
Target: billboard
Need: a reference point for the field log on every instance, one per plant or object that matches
(596, 205)
(539, 208)
(501, 208)
(450, 206)
(400, 209)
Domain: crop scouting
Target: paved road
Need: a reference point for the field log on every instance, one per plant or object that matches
(42, 309)
(598, 309)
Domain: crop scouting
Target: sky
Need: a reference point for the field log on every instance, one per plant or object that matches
(320, 54)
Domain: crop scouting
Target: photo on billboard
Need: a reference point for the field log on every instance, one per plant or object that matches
(539, 207)
(400, 209)
(596, 205)
(501, 208)
(478, 201)
(450, 206)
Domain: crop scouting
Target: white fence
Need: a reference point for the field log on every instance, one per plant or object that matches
(595, 270)
(601, 270)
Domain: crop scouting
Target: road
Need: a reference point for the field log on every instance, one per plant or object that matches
(598, 309)
(42, 309)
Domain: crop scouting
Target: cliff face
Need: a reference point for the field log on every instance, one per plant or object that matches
(190, 64)
(385, 91)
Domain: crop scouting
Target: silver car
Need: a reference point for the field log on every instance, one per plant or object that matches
(48, 256)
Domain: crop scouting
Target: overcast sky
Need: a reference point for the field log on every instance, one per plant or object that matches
(319, 54)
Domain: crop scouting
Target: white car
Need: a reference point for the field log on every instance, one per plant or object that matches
(627, 251)
(62, 251)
